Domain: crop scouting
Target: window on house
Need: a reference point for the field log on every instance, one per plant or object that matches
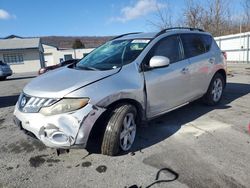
(13, 58)
(68, 57)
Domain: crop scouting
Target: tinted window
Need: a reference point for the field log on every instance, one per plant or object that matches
(169, 47)
(207, 41)
(193, 45)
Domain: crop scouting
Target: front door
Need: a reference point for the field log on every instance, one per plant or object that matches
(167, 87)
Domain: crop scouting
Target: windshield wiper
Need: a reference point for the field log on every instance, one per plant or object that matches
(87, 68)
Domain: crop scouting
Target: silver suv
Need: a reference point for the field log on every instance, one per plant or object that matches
(129, 80)
(5, 70)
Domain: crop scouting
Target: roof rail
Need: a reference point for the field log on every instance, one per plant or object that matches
(125, 35)
(175, 28)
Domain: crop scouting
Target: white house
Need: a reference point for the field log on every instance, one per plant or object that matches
(22, 54)
(54, 55)
(30, 54)
(236, 46)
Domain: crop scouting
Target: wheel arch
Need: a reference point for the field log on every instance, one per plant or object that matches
(223, 73)
(136, 104)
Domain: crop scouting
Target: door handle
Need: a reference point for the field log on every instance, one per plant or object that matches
(184, 70)
(211, 60)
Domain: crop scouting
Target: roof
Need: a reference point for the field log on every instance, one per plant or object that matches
(12, 36)
(19, 43)
(154, 34)
(139, 35)
(64, 42)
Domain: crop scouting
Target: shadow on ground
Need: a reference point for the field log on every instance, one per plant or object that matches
(165, 126)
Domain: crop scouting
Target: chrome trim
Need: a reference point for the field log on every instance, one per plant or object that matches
(34, 104)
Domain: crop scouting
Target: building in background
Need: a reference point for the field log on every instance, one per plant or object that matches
(60, 48)
(30, 54)
(236, 46)
(54, 55)
(22, 54)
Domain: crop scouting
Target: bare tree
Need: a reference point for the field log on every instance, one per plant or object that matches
(220, 16)
(246, 7)
(213, 16)
(193, 14)
(163, 17)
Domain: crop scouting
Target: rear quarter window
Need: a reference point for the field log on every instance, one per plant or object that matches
(207, 41)
(195, 44)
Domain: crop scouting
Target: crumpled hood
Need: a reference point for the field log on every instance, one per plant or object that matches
(60, 82)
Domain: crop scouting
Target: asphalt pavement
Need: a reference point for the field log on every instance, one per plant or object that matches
(194, 146)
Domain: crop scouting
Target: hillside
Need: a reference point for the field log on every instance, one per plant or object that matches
(62, 42)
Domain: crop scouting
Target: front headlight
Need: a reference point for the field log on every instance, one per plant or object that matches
(64, 105)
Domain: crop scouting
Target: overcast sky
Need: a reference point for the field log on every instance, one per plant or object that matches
(84, 17)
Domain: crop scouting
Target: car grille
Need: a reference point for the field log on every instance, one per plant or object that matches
(31, 104)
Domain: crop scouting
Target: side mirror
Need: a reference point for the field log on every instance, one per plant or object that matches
(159, 61)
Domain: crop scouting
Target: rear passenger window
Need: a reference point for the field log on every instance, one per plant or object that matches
(193, 45)
(169, 47)
(207, 41)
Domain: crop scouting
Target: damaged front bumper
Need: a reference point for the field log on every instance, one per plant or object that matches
(60, 131)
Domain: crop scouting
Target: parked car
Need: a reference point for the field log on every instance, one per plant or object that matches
(5, 70)
(123, 83)
(62, 64)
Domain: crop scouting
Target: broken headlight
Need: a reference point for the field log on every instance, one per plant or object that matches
(64, 105)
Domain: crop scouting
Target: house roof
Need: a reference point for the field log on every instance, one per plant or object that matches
(63, 42)
(19, 43)
(12, 36)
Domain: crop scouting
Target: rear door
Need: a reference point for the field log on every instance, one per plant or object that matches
(167, 87)
(197, 49)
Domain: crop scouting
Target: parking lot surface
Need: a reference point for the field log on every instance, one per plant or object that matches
(194, 146)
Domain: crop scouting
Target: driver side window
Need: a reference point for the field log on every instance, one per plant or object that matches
(169, 47)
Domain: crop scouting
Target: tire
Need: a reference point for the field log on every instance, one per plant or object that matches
(120, 129)
(3, 78)
(215, 90)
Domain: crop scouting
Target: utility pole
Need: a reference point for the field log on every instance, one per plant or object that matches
(240, 43)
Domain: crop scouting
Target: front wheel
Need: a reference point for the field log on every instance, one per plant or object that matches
(215, 90)
(120, 131)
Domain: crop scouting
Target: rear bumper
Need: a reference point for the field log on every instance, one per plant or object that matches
(6, 73)
(66, 131)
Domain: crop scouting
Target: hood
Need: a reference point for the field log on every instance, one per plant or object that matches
(60, 82)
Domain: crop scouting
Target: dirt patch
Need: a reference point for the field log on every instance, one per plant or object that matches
(86, 164)
(1, 121)
(101, 169)
(37, 161)
(25, 146)
(9, 168)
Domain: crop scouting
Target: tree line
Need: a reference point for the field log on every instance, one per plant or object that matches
(214, 16)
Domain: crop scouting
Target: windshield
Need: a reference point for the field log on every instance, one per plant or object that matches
(113, 55)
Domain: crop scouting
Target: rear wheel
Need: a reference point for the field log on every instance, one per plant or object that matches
(215, 90)
(120, 131)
